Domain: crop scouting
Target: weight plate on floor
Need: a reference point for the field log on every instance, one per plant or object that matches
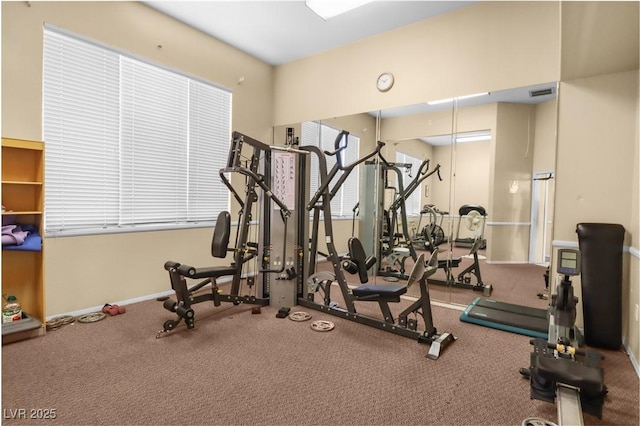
(322, 325)
(66, 319)
(57, 322)
(54, 324)
(299, 316)
(92, 317)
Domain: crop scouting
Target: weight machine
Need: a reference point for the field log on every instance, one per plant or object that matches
(286, 274)
(357, 262)
(280, 258)
(391, 245)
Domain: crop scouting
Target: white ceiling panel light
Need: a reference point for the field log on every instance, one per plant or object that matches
(443, 101)
(327, 9)
(476, 138)
(465, 137)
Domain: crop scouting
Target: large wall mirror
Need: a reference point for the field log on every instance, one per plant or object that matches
(492, 152)
(497, 158)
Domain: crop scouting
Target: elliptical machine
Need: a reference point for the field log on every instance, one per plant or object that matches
(559, 371)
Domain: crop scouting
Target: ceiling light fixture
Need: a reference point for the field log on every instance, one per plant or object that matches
(473, 138)
(442, 101)
(329, 8)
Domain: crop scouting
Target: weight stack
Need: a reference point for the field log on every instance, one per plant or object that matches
(601, 274)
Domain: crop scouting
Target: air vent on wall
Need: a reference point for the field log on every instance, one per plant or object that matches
(541, 92)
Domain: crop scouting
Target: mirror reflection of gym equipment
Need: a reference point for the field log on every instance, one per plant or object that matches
(393, 240)
(474, 218)
(472, 173)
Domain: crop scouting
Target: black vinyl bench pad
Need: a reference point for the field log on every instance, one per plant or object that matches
(381, 291)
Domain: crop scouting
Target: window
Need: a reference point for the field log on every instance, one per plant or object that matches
(129, 145)
(413, 202)
(323, 136)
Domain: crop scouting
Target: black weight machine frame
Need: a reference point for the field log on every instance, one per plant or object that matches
(321, 202)
(399, 204)
(243, 251)
(463, 279)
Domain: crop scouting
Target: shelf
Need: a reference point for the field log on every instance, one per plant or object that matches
(20, 182)
(33, 242)
(22, 144)
(25, 328)
(12, 213)
(23, 264)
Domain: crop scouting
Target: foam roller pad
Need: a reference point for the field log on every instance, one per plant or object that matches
(601, 246)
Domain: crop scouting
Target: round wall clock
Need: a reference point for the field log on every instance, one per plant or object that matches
(385, 81)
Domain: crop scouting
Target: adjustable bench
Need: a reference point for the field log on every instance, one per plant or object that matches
(359, 263)
(178, 273)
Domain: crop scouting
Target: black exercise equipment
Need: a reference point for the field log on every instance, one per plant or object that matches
(243, 250)
(475, 219)
(465, 279)
(358, 262)
(571, 378)
(558, 371)
(395, 243)
(563, 306)
(601, 246)
(178, 273)
(431, 235)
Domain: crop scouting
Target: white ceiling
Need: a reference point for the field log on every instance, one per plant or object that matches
(278, 32)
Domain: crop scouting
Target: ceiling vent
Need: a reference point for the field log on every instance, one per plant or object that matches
(541, 92)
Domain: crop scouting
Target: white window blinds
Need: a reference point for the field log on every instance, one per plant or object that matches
(128, 144)
(412, 204)
(323, 136)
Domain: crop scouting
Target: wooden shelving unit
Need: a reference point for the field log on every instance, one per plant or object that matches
(23, 265)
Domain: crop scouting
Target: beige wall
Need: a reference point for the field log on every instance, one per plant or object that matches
(597, 170)
(595, 152)
(487, 46)
(598, 120)
(83, 272)
(544, 155)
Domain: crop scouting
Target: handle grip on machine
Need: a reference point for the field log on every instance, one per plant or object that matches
(337, 144)
(170, 264)
(361, 160)
(425, 166)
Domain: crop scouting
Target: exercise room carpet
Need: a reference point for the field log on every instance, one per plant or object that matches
(239, 368)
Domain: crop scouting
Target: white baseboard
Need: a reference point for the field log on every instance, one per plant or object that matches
(128, 301)
(119, 303)
(633, 359)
